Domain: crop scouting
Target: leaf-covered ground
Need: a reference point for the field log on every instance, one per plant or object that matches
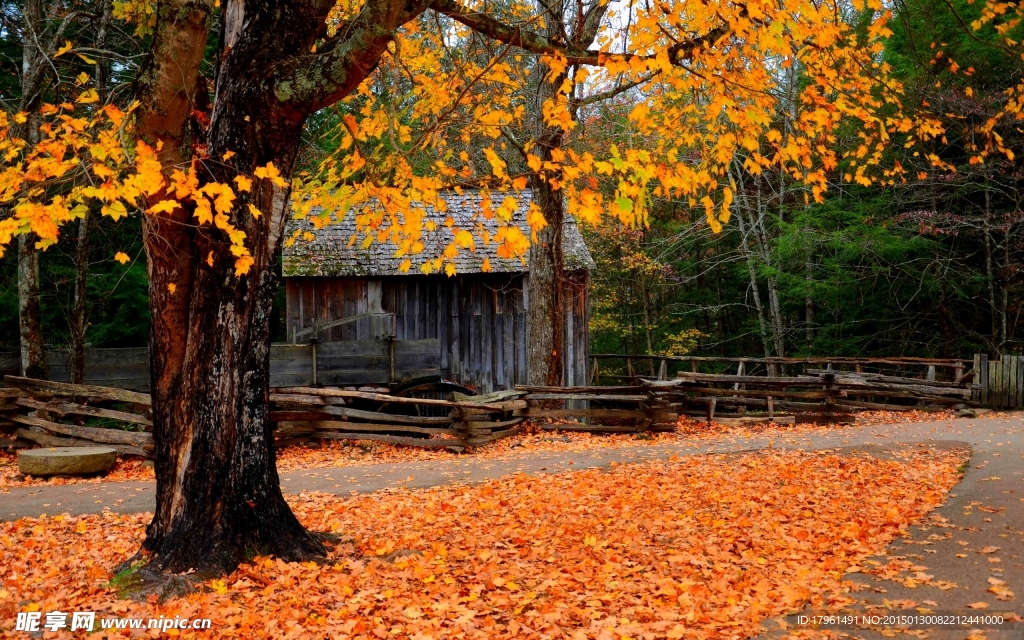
(335, 453)
(703, 547)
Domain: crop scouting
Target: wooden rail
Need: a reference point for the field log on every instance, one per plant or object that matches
(622, 409)
(58, 413)
(658, 366)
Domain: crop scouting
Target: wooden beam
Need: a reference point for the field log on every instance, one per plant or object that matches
(585, 396)
(107, 436)
(416, 442)
(355, 428)
(65, 408)
(47, 440)
(536, 412)
(83, 390)
(383, 397)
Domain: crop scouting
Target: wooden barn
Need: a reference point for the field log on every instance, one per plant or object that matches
(374, 324)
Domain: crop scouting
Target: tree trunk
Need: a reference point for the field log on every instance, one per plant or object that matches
(218, 492)
(33, 352)
(546, 313)
(645, 300)
(35, 71)
(808, 293)
(1004, 305)
(218, 496)
(79, 320)
(990, 277)
(752, 272)
(79, 311)
(741, 204)
(774, 306)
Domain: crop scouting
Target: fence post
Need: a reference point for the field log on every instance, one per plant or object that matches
(976, 368)
(739, 372)
(983, 377)
(312, 345)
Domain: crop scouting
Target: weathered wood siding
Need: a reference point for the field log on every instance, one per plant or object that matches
(479, 320)
(126, 368)
(355, 362)
(1001, 382)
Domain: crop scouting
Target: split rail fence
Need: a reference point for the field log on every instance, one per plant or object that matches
(63, 414)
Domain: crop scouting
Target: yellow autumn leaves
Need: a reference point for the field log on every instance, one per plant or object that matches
(87, 161)
(77, 161)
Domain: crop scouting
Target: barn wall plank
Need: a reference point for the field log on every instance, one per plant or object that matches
(443, 321)
(500, 372)
(486, 338)
(455, 329)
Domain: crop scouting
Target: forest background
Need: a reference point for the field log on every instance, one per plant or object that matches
(930, 267)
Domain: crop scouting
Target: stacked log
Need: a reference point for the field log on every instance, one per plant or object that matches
(623, 409)
(33, 410)
(471, 421)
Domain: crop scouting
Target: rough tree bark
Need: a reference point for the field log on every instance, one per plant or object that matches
(754, 289)
(33, 352)
(218, 492)
(742, 204)
(79, 310)
(809, 290)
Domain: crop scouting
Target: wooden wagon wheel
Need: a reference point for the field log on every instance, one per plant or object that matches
(427, 388)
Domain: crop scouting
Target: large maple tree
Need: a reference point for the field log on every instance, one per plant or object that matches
(215, 175)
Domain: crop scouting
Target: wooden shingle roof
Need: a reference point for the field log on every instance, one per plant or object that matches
(332, 254)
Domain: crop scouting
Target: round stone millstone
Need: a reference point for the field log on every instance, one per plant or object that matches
(70, 461)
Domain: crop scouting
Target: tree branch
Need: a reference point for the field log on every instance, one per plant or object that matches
(311, 82)
(536, 43)
(614, 91)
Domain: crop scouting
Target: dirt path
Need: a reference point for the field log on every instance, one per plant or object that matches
(998, 441)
